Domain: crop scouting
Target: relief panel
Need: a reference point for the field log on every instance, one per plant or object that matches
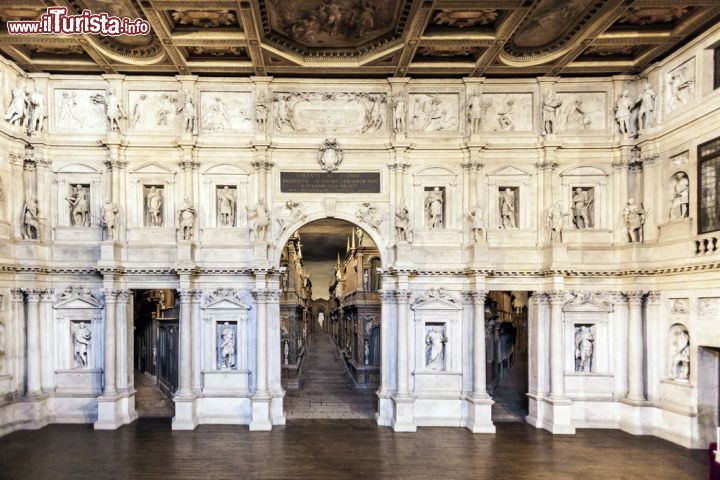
(582, 112)
(508, 112)
(223, 112)
(433, 112)
(79, 111)
(153, 112)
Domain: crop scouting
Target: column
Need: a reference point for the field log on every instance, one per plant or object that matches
(197, 338)
(387, 312)
(479, 382)
(109, 347)
(635, 359)
(121, 337)
(261, 399)
(403, 369)
(649, 197)
(262, 165)
(185, 361)
(557, 370)
(34, 381)
(47, 350)
(17, 338)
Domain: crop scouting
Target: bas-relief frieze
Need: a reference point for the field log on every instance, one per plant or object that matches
(222, 112)
(430, 112)
(508, 112)
(680, 85)
(79, 110)
(581, 112)
(152, 112)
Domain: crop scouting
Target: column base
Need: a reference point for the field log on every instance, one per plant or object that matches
(115, 411)
(185, 413)
(260, 420)
(554, 414)
(404, 414)
(35, 410)
(479, 418)
(277, 412)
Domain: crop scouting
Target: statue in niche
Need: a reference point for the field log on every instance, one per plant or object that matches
(81, 337)
(403, 232)
(551, 105)
(113, 110)
(226, 207)
(366, 280)
(582, 200)
(259, 219)
(359, 235)
(505, 116)
(17, 111)
(369, 214)
(680, 196)
(555, 220)
(680, 354)
(634, 219)
(646, 115)
(31, 220)
(154, 205)
(476, 112)
(584, 348)
(291, 213)
(400, 106)
(138, 111)
(577, 117)
(79, 207)
(286, 352)
(434, 352)
(507, 209)
(227, 347)
(67, 116)
(261, 114)
(622, 112)
(679, 89)
(477, 223)
(434, 208)
(109, 219)
(167, 110)
(189, 112)
(367, 353)
(217, 116)
(186, 219)
(38, 112)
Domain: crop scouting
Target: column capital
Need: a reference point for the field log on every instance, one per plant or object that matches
(197, 296)
(47, 295)
(111, 295)
(387, 296)
(635, 297)
(123, 295)
(266, 295)
(618, 298)
(186, 295)
(33, 294)
(17, 295)
(556, 297)
(403, 295)
(539, 298)
(654, 297)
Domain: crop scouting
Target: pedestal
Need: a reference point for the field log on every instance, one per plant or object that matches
(185, 413)
(555, 255)
(185, 252)
(480, 415)
(260, 250)
(115, 411)
(109, 252)
(403, 254)
(558, 416)
(481, 254)
(404, 418)
(261, 413)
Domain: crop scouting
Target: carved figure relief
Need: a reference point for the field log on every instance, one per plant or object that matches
(680, 306)
(330, 155)
(79, 206)
(17, 111)
(680, 190)
(623, 110)
(399, 113)
(80, 110)
(154, 206)
(581, 111)
(138, 111)
(113, 110)
(476, 112)
(477, 223)
(290, 213)
(465, 18)
(646, 114)
(38, 112)
(583, 201)
(227, 358)
(555, 221)
(679, 353)
(226, 112)
(508, 207)
(166, 112)
(507, 112)
(226, 206)
(634, 219)
(186, 219)
(367, 213)
(433, 112)
(109, 220)
(189, 112)
(403, 231)
(31, 220)
(81, 337)
(584, 348)
(680, 85)
(551, 105)
(434, 207)
(261, 115)
(258, 221)
(435, 341)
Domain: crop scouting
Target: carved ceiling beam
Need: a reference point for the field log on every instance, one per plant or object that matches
(674, 3)
(249, 13)
(478, 4)
(420, 14)
(210, 39)
(164, 33)
(504, 32)
(195, 4)
(18, 57)
(625, 38)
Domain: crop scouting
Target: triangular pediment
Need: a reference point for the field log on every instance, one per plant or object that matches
(436, 304)
(152, 167)
(78, 302)
(509, 170)
(588, 302)
(227, 303)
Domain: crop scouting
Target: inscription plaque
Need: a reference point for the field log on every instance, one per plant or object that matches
(324, 182)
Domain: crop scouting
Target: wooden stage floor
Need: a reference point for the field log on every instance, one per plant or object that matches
(317, 449)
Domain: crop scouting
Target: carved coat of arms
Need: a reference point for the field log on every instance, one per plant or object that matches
(330, 155)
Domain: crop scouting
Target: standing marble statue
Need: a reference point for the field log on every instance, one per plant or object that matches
(113, 111)
(507, 209)
(154, 206)
(31, 220)
(634, 219)
(186, 219)
(555, 220)
(400, 105)
(403, 232)
(17, 111)
(680, 196)
(109, 219)
(359, 235)
(477, 219)
(581, 208)
(189, 115)
(38, 112)
(622, 112)
(227, 347)
(551, 105)
(680, 355)
(259, 220)
(366, 280)
(226, 207)
(434, 208)
(367, 353)
(261, 115)
(81, 343)
(646, 115)
(435, 341)
(79, 207)
(476, 111)
(286, 352)
(584, 349)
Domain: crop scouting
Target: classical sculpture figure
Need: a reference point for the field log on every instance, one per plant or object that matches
(581, 208)
(286, 352)
(680, 355)
(477, 223)
(138, 111)
(646, 115)
(367, 353)
(226, 207)
(31, 220)
(359, 234)
(584, 349)
(476, 111)
(504, 116)
(551, 105)
(400, 105)
(166, 111)
(113, 111)
(217, 116)
(366, 280)
(554, 221)
(507, 209)
(434, 208)
(227, 347)
(66, 115)
(186, 219)
(403, 232)
(577, 117)
(261, 114)
(81, 342)
(154, 204)
(38, 112)
(435, 341)
(678, 89)
(369, 214)
(189, 113)
(680, 196)
(430, 113)
(16, 113)
(622, 112)
(109, 220)
(79, 207)
(634, 219)
(259, 219)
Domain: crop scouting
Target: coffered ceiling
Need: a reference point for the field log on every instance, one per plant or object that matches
(367, 38)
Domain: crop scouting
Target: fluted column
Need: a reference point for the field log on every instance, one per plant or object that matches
(185, 361)
(17, 341)
(636, 391)
(34, 381)
(261, 367)
(557, 371)
(121, 336)
(197, 337)
(387, 312)
(479, 357)
(47, 350)
(403, 362)
(109, 347)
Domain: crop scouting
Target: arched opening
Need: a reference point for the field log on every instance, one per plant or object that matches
(330, 320)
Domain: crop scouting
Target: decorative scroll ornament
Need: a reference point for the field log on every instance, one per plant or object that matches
(330, 155)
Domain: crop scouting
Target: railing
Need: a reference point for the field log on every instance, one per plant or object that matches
(706, 245)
